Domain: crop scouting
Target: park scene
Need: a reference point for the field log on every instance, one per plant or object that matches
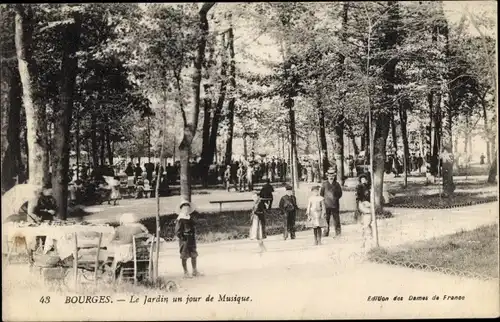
(270, 151)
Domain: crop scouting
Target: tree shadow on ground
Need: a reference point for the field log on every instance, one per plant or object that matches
(438, 201)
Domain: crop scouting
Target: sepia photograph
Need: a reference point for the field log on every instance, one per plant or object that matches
(249, 161)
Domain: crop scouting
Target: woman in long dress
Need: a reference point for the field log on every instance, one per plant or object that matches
(115, 190)
(316, 214)
(256, 229)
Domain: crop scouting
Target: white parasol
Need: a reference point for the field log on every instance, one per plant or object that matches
(15, 198)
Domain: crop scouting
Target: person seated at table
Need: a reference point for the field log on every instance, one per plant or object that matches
(45, 208)
(122, 242)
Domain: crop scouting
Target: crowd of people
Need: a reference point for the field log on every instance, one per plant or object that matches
(322, 211)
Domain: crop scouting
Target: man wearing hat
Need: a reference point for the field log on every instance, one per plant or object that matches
(288, 204)
(331, 191)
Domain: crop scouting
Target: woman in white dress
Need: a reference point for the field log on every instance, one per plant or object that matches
(316, 214)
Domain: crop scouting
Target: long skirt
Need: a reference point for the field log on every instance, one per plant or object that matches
(255, 228)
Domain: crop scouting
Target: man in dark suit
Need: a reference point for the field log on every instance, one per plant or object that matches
(332, 192)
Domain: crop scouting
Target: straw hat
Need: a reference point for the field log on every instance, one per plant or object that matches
(185, 202)
(128, 218)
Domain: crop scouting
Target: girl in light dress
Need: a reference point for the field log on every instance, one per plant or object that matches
(316, 214)
(113, 184)
(256, 229)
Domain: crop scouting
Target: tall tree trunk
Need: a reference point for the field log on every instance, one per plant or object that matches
(338, 148)
(320, 156)
(26, 149)
(207, 107)
(77, 144)
(47, 168)
(11, 160)
(35, 112)
(449, 105)
(93, 139)
(352, 137)
(403, 118)
(62, 119)
(382, 123)
(466, 137)
(428, 137)
(212, 144)
(102, 139)
(394, 134)
(109, 144)
(293, 143)
(245, 146)
(230, 107)
(365, 140)
(447, 151)
(191, 122)
(437, 126)
(492, 174)
(487, 132)
(322, 138)
(340, 123)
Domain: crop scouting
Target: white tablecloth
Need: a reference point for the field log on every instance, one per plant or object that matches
(59, 236)
(62, 239)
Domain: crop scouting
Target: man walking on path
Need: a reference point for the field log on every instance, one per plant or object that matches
(266, 193)
(332, 192)
(288, 205)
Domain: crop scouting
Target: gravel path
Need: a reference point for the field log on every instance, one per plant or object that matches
(294, 279)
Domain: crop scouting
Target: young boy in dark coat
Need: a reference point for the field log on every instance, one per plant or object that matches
(288, 204)
(185, 231)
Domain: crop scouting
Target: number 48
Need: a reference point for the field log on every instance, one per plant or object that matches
(45, 299)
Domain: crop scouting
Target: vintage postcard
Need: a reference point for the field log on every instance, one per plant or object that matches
(249, 161)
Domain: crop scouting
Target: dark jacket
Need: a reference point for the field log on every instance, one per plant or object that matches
(288, 203)
(363, 192)
(266, 191)
(185, 228)
(332, 192)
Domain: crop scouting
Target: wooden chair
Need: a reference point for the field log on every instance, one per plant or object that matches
(17, 243)
(140, 268)
(90, 243)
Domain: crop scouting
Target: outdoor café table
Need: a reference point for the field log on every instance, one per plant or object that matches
(59, 237)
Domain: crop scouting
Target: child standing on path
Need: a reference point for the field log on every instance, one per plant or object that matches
(115, 190)
(185, 231)
(288, 205)
(257, 227)
(316, 214)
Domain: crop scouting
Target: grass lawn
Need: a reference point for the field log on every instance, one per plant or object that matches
(437, 201)
(467, 193)
(227, 225)
(474, 251)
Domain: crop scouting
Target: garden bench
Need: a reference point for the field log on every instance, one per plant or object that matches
(220, 202)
